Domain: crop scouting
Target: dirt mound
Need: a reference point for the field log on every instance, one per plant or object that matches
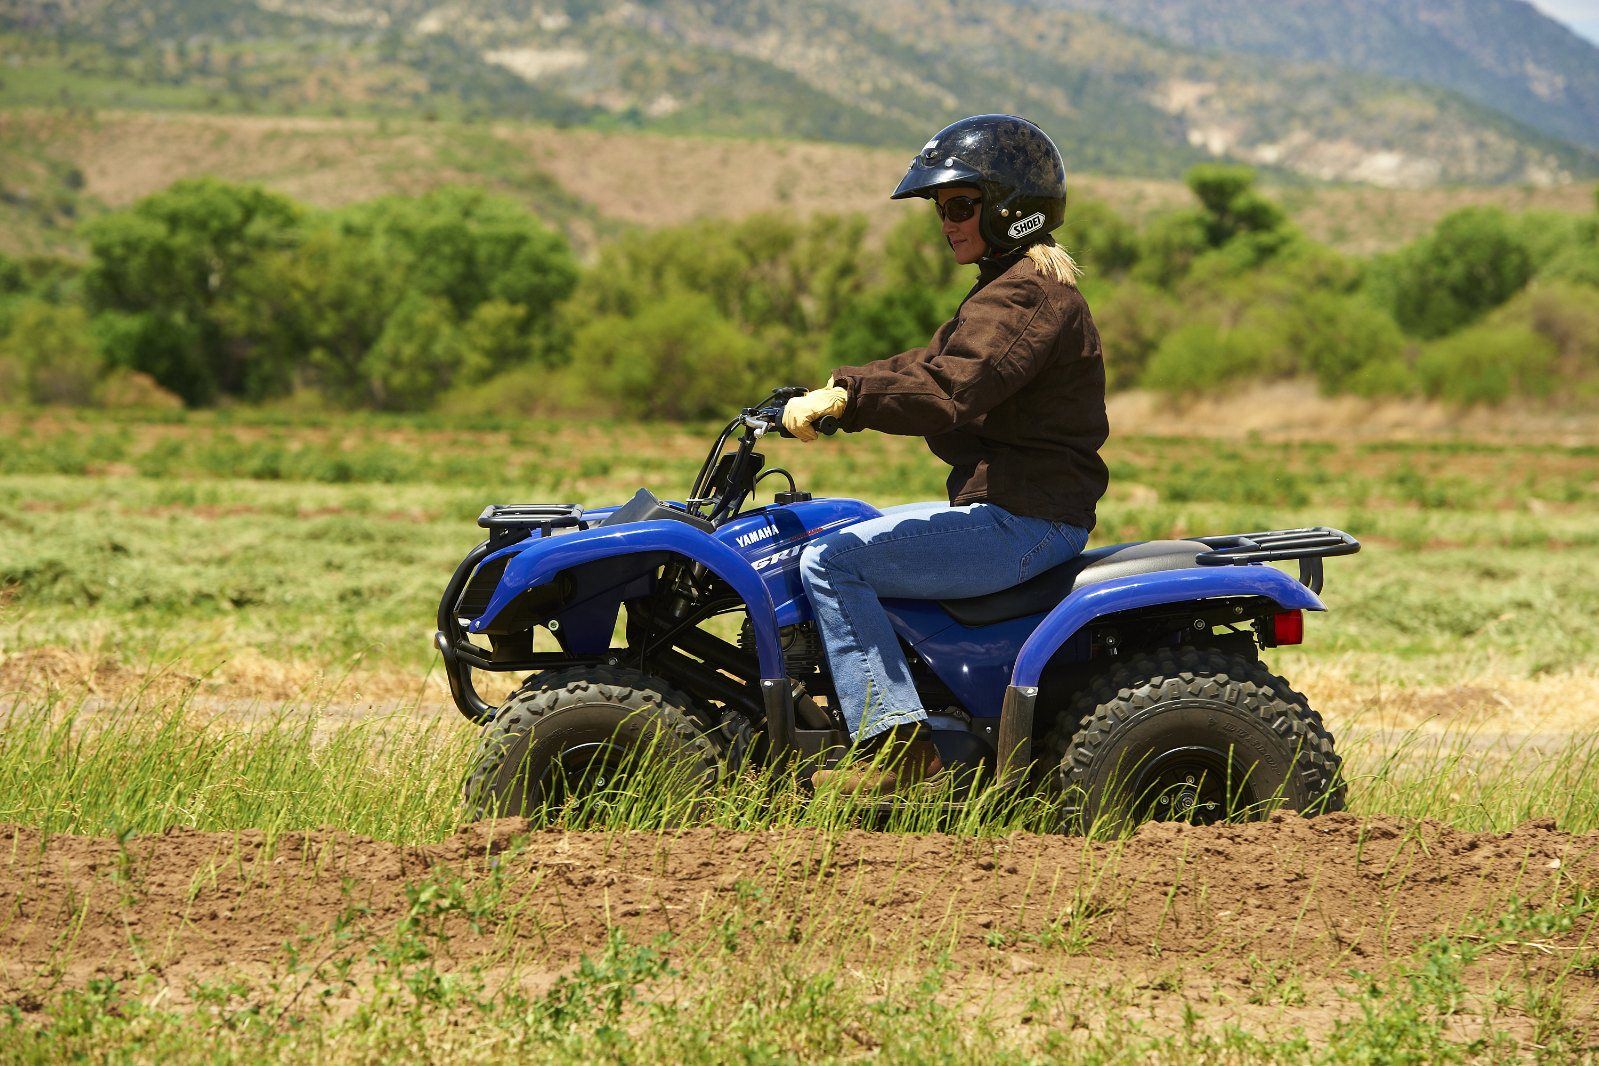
(1329, 893)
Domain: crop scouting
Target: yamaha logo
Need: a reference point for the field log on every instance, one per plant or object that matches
(1023, 226)
(764, 533)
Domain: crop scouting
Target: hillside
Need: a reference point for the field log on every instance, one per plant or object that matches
(881, 73)
(1503, 54)
(56, 168)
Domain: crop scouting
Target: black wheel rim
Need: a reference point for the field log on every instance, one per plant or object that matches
(596, 771)
(1196, 784)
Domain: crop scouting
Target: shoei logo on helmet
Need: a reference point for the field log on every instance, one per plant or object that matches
(1023, 226)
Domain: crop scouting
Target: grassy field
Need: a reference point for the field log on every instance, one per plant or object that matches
(214, 638)
(232, 542)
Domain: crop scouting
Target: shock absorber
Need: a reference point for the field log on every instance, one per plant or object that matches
(681, 589)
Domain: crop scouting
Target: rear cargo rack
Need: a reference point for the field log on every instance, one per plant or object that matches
(1310, 546)
(508, 523)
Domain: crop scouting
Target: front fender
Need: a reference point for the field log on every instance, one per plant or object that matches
(1151, 590)
(544, 558)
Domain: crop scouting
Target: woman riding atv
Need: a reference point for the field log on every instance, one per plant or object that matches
(1010, 393)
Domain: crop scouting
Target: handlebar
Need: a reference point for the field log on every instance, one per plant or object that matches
(771, 418)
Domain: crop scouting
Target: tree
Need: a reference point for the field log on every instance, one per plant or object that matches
(417, 357)
(477, 278)
(312, 313)
(175, 257)
(468, 248)
(1235, 229)
(1231, 203)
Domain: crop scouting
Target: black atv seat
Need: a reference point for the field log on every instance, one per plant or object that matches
(1039, 594)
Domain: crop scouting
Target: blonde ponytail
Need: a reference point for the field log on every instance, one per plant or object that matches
(1053, 261)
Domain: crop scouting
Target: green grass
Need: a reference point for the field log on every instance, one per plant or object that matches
(149, 767)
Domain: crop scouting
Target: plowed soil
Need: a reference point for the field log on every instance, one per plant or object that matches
(1324, 896)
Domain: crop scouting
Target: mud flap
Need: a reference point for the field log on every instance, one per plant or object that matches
(1015, 752)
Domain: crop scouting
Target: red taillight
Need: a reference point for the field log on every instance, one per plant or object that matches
(1288, 627)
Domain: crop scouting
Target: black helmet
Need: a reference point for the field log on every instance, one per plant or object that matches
(1016, 165)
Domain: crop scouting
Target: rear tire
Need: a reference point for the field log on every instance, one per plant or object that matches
(585, 731)
(1191, 734)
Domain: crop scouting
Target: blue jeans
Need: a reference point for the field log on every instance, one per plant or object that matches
(921, 551)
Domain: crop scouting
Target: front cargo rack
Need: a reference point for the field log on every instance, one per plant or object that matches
(1310, 546)
(507, 524)
(511, 522)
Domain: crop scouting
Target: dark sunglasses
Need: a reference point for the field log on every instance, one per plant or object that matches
(957, 208)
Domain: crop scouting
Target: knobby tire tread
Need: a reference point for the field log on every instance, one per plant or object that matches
(717, 746)
(1081, 733)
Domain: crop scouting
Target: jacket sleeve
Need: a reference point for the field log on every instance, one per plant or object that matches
(1004, 337)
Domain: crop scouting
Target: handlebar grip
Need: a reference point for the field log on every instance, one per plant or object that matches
(827, 425)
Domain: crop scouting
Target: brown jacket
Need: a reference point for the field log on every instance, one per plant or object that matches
(1010, 392)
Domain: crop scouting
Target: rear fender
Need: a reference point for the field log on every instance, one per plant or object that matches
(1079, 609)
(543, 560)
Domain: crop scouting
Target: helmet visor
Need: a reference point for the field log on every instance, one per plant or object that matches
(925, 175)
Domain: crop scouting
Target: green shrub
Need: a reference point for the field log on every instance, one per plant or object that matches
(531, 391)
(1133, 318)
(1168, 247)
(1104, 242)
(1339, 338)
(417, 357)
(886, 322)
(10, 275)
(1471, 263)
(779, 281)
(1567, 315)
(1489, 364)
(1576, 259)
(1548, 235)
(50, 355)
(677, 358)
(1203, 357)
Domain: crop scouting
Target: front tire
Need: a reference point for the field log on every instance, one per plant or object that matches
(586, 733)
(1192, 734)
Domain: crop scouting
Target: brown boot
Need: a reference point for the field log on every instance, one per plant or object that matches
(892, 760)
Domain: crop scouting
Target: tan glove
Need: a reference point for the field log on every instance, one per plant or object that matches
(800, 413)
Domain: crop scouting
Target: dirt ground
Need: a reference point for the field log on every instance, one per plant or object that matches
(1181, 914)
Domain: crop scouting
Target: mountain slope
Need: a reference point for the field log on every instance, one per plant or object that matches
(1504, 54)
(879, 72)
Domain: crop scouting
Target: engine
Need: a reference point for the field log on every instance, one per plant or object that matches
(802, 646)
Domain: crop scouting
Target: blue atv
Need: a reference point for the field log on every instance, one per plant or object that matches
(1128, 679)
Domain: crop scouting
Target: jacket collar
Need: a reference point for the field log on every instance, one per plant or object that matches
(992, 266)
